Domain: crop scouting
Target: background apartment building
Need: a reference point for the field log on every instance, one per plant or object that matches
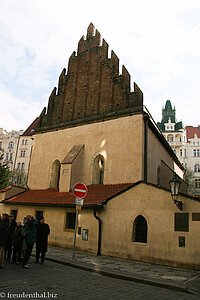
(8, 146)
(185, 141)
(23, 155)
(16, 148)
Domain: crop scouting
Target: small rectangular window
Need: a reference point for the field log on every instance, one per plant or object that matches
(195, 153)
(70, 220)
(38, 213)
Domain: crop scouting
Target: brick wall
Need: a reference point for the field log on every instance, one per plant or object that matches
(92, 87)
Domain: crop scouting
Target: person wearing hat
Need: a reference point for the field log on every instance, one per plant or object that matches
(43, 231)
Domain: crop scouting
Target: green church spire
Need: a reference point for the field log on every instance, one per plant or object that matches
(169, 116)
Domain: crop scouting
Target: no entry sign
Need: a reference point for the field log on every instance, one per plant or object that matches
(80, 190)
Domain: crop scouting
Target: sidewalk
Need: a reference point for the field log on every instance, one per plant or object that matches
(167, 277)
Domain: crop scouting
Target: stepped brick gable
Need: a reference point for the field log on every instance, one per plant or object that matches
(92, 89)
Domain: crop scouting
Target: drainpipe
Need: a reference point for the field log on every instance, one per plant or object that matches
(99, 236)
(145, 148)
(29, 163)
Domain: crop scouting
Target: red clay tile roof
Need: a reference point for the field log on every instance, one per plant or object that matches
(96, 194)
(190, 132)
(5, 189)
(31, 129)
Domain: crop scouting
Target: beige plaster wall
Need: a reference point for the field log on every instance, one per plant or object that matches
(118, 217)
(2, 196)
(119, 141)
(162, 241)
(156, 154)
(65, 182)
(56, 218)
(1, 208)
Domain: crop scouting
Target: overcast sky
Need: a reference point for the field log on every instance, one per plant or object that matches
(158, 41)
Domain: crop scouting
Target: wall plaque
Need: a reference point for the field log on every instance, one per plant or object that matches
(181, 221)
(85, 235)
(195, 216)
(181, 241)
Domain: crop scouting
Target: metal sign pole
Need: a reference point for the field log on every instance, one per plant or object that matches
(80, 192)
(75, 232)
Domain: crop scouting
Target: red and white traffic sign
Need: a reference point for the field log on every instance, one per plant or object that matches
(80, 190)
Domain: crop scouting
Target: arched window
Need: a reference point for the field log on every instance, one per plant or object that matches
(140, 230)
(98, 170)
(55, 174)
(197, 168)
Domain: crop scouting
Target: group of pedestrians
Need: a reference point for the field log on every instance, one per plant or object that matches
(17, 239)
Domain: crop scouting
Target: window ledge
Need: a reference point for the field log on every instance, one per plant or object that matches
(140, 243)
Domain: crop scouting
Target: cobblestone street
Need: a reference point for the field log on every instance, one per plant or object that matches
(56, 281)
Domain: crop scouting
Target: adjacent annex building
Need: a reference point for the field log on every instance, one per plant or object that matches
(95, 130)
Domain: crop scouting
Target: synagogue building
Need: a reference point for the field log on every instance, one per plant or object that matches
(96, 130)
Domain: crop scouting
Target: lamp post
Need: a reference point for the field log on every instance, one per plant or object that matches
(175, 187)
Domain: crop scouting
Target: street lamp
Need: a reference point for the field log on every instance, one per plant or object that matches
(174, 187)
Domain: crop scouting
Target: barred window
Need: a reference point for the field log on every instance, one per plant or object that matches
(70, 220)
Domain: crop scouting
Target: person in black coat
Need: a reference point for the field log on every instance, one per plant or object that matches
(4, 235)
(8, 246)
(17, 240)
(42, 239)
